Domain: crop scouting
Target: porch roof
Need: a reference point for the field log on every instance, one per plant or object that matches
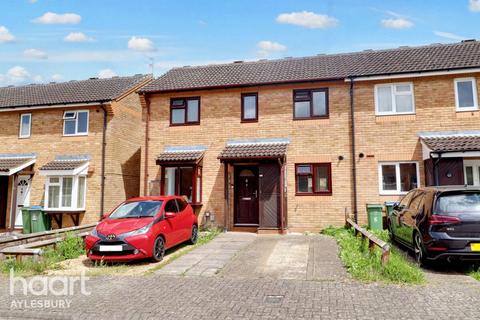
(451, 141)
(11, 163)
(181, 154)
(66, 164)
(255, 149)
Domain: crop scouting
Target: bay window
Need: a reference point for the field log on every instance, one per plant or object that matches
(396, 178)
(65, 193)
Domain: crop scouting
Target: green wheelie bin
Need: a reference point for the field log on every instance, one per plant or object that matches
(375, 216)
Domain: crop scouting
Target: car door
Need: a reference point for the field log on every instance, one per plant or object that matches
(397, 215)
(173, 224)
(415, 210)
(184, 222)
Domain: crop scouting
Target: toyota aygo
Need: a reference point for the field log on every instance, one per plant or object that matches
(142, 228)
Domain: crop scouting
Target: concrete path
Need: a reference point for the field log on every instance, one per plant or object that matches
(209, 259)
(246, 255)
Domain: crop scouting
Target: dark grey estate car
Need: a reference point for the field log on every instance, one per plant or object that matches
(438, 223)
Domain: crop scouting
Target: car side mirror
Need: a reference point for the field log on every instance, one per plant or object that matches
(105, 216)
(169, 215)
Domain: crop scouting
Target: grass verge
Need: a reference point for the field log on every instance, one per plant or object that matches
(475, 274)
(366, 266)
(71, 247)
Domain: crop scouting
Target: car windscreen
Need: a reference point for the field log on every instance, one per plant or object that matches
(137, 209)
(455, 203)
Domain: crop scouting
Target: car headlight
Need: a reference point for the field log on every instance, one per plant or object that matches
(95, 233)
(137, 232)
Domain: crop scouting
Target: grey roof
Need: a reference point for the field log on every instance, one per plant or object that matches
(180, 156)
(451, 141)
(63, 164)
(10, 163)
(83, 91)
(434, 57)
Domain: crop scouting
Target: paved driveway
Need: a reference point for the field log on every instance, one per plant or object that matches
(255, 277)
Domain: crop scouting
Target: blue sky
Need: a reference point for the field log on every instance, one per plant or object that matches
(60, 40)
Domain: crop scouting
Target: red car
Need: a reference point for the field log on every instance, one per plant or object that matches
(142, 228)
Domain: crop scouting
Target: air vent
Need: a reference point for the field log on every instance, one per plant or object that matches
(238, 61)
(469, 40)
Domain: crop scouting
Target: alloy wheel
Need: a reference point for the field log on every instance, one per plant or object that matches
(159, 249)
(194, 236)
(418, 249)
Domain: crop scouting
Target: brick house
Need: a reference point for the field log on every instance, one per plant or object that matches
(270, 145)
(60, 139)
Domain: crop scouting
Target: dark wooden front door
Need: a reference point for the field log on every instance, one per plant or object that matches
(246, 196)
(3, 201)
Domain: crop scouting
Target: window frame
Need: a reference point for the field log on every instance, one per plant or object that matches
(393, 95)
(76, 123)
(310, 100)
(29, 126)
(397, 177)
(249, 94)
(313, 169)
(185, 107)
(197, 173)
(457, 97)
(74, 194)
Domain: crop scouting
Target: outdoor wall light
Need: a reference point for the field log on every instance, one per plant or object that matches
(361, 155)
(340, 158)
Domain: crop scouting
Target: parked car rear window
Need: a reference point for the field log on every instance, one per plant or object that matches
(452, 204)
(137, 209)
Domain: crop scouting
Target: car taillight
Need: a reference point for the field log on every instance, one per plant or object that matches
(436, 219)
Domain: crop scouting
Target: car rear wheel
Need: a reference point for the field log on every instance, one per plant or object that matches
(158, 249)
(194, 235)
(390, 231)
(419, 251)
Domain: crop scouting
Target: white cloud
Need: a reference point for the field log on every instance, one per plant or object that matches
(140, 44)
(33, 1)
(58, 18)
(398, 23)
(106, 73)
(267, 47)
(308, 19)
(19, 75)
(78, 37)
(474, 5)
(57, 77)
(18, 72)
(5, 35)
(35, 54)
(449, 35)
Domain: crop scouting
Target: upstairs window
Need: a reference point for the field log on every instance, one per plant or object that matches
(391, 99)
(466, 94)
(249, 107)
(75, 123)
(25, 125)
(310, 104)
(185, 111)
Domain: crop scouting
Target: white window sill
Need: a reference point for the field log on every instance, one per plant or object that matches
(76, 135)
(395, 114)
(23, 137)
(64, 210)
(467, 109)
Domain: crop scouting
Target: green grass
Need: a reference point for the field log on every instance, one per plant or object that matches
(71, 247)
(365, 266)
(475, 274)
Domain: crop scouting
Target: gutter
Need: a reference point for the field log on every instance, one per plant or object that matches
(353, 151)
(55, 106)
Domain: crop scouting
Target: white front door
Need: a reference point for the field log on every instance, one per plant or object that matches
(471, 169)
(23, 198)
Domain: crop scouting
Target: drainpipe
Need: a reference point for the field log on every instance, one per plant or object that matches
(436, 174)
(354, 152)
(104, 146)
(282, 194)
(147, 139)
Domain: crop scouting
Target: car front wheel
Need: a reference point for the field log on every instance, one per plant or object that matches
(158, 249)
(194, 235)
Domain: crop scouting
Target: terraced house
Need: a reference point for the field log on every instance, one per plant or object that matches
(298, 143)
(71, 147)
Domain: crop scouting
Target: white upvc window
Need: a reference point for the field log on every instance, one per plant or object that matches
(466, 98)
(65, 193)
(394, 98)
(75, 123)
(25, 125)
(397, 178)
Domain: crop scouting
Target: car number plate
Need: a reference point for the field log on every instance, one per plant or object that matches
(475, 246)
(110, 248)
